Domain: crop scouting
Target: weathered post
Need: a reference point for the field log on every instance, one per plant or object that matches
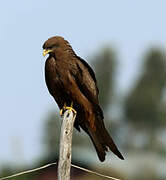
(64, 163)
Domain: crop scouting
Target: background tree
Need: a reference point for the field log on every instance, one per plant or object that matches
(104, 66)
(143, 106)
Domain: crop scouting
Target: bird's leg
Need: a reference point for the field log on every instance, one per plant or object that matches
(61, 111)
(71, 108)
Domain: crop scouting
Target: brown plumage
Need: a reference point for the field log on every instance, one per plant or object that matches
(70, 79)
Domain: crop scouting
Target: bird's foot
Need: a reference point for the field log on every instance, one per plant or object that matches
(70, 108)
(62, 110)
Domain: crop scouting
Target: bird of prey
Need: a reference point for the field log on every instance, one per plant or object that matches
(72, 83)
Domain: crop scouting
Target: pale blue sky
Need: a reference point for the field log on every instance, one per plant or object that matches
(129, 26)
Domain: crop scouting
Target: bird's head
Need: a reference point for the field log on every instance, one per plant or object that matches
(55, 45)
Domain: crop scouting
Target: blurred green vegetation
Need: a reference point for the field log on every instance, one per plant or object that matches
(142, 117)
(144, 104)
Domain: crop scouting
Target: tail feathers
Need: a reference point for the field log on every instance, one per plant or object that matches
(100, 149)
(103, 142)
(110, 143)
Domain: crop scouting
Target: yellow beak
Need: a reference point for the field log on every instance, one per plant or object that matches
(46, 51)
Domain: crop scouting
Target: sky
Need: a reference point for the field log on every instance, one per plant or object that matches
(130, 27)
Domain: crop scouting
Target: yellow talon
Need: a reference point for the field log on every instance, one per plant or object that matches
(61, 111)
(69, 108)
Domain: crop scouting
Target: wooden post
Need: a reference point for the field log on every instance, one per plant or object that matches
(64, 163)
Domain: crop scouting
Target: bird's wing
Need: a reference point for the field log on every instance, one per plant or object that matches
(86, 80)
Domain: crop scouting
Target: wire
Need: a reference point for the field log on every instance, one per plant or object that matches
(47, 165)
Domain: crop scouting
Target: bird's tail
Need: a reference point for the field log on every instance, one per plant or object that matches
(102, 140)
